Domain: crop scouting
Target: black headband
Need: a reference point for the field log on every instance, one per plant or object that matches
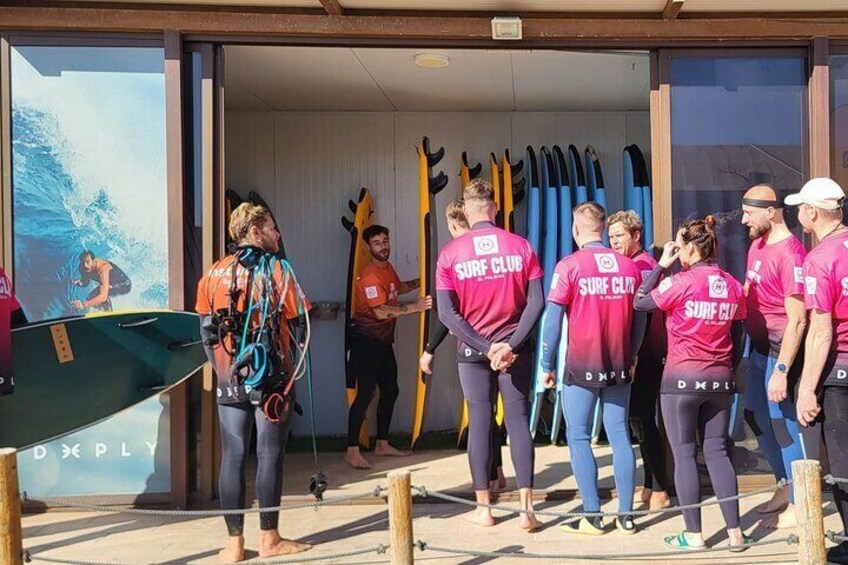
(757, 203)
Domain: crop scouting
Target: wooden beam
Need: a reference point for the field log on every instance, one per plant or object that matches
(400, 28)
(332, 7)
(819, 104)
(672, 8)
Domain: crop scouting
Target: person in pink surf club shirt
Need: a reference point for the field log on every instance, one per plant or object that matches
(822, 403)
(11, 316)
(775, 323)
(704, 307)
(594, 287)
(625, 236)
(489, 295)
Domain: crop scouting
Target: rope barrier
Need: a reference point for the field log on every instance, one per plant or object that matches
(378, 549)
(424, 546)
(56, 502)
(835, 537)
(423, 491)
(831, 480)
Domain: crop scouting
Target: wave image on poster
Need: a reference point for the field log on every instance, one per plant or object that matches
(89, 211)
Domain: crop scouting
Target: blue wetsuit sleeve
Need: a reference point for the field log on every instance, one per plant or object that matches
(530, 315)
(448, 304)
(437, 336)
(551, 334)
(637, 332)
(644, 302)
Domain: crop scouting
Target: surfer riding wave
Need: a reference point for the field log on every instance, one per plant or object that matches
(110, 279)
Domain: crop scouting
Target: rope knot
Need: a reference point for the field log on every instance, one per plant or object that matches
(792, 539)
(382, 548)
(829, 479)
(421, 545)
(422, 491)
(27, 556)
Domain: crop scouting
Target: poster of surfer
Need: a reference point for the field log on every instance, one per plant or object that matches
(89, 214)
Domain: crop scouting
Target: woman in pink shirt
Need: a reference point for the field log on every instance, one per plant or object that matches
(704, 305)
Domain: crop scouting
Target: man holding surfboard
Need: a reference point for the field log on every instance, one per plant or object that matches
(227, 299)
(372, 331)
(11, 316)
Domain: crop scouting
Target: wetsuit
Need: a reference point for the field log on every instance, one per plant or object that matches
(11, 316)
(596, 287)
(773, 274)
(645, 419)
(372, 355)
(826, 290)
(704, 307)
(236, 413)
(489, 287)
(119, 283)
(437, 336)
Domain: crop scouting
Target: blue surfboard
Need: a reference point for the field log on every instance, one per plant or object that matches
(595, 181)
(647, 201)
(534, 203)
(579, 195)
(632, 190)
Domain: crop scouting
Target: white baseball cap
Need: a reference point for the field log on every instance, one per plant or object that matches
(822, 193)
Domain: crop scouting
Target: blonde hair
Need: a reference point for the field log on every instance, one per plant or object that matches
(479, 189)
(244, 217)
(629, 219)
(455, 214)
(590, 215)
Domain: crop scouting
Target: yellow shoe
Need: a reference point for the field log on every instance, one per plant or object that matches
(585, 526)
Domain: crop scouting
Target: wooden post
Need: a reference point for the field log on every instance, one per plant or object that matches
(806, 482)
(11, 547)
(400, 517)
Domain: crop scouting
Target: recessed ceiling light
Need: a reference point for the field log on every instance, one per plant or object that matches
(432, 60)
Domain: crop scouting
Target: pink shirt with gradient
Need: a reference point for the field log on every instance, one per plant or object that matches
(654, 345)
(774, 273)
(8, 304)
(701, 303)
(489, 269)
(597, 286)
(826, 286)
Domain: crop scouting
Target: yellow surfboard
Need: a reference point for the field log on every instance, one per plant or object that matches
(359, 257)
(428, 187)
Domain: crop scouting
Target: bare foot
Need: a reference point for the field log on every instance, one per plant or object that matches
(383, 449)
(529, 523)
(645, 495)
(659, 499)
(283, 547)
(778, 501)
(355, 459)
(234, 550)
(481, 517)
(781, 520)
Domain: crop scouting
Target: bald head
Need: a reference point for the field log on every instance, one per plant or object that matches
(762, 192)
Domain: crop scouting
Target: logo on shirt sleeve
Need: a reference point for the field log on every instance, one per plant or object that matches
(606, 262)
(718, 286)
(799, 274)
(810, 284)
(664, 286)
(757, 265)
(485, 244)
(555, 280)
(371, 292)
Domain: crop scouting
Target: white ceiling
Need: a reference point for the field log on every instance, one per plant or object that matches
(530, 5)
(268, 78)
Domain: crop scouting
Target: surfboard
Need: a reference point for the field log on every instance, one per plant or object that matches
(533, 222)
(358, 257)
(595, 180)
(74, 372)
(566, 247)
(647, 200)
(513, 189)
(579, 194)
(495, 174)
(467, 173)
(428, 187)
(256, 199)
(632, 192)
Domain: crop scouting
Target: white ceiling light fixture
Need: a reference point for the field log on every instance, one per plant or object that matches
(508, 29)
(431, 60)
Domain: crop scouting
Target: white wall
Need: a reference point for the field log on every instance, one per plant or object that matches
(307, 165)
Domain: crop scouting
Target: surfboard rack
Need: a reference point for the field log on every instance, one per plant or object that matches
(183, 344)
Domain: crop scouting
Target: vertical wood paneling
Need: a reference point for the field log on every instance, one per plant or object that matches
(308, 165)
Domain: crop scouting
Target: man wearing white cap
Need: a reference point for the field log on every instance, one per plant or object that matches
(823, 391)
